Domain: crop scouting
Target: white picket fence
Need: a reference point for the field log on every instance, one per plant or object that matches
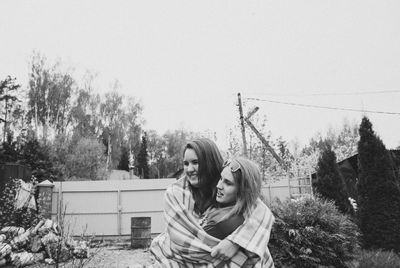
(105, 208)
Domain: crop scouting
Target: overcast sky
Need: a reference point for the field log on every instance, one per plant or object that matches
(187, 60)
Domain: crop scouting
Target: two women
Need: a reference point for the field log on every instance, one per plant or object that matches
(194, 198)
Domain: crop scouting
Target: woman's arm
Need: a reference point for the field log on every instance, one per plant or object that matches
(216, 224)
(225, 250)
(253, 235)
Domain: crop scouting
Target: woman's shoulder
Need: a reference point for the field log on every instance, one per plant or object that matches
(259, 207)
(178, 187)
(180, 192)
(180, 183)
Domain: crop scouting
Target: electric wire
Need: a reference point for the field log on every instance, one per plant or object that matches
(332, 93)
(323, 107)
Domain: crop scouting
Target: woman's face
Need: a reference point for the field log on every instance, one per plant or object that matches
(191, 167)
(226, 187)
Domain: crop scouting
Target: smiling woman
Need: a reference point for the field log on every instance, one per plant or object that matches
(191, 167)
(202, 163)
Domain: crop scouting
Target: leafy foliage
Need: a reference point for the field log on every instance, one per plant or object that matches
(342, 140)
(311, 232)
(37, 155)
(378, 192)
(330, 183)
(86, 109)
(50, 92)
(9, 215)
(86, 161)
(378, 259)
(9, 151)
(165, 152)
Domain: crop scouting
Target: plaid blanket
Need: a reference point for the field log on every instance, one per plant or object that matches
(186, 244)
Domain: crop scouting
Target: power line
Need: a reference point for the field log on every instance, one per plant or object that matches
(323, 107)
(333, 93)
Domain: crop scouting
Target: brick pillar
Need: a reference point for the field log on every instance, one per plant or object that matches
(44, 201)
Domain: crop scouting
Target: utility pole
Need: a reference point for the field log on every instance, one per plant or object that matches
(263, 140)
(242, 125)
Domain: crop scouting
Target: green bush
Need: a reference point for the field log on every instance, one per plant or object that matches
(379, 259)
(311, 232)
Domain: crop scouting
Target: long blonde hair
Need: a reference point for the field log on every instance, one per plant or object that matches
(248, 180)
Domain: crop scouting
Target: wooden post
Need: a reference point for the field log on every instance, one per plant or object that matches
(242, 125)
(265, 142)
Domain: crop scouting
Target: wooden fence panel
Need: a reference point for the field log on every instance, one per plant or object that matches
(90, 202)
(101, 225)
(105, 208)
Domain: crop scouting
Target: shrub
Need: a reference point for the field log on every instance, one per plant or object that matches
(378, 259)
(9, 215)
(310, 232)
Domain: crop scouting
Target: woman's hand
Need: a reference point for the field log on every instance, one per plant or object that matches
(225, 250)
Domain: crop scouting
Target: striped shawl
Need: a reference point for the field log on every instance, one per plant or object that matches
(185, 244)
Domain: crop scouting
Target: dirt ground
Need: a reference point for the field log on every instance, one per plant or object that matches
(112, 256)
(119, 257)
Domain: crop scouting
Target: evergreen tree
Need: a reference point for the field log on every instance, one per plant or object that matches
(37, 156)
(330, 182)
(124, 161)
(142, 158)
(378, 192)
(9, 151)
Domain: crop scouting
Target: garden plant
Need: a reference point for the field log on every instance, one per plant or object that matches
(311, 232)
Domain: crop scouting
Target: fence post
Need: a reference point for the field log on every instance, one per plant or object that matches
(45, 198)
(270, 193)
(119, 211)
(60, 209)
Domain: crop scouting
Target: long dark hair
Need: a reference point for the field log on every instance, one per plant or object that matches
(210, 167)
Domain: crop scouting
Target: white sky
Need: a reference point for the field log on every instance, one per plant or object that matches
(187, 60)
